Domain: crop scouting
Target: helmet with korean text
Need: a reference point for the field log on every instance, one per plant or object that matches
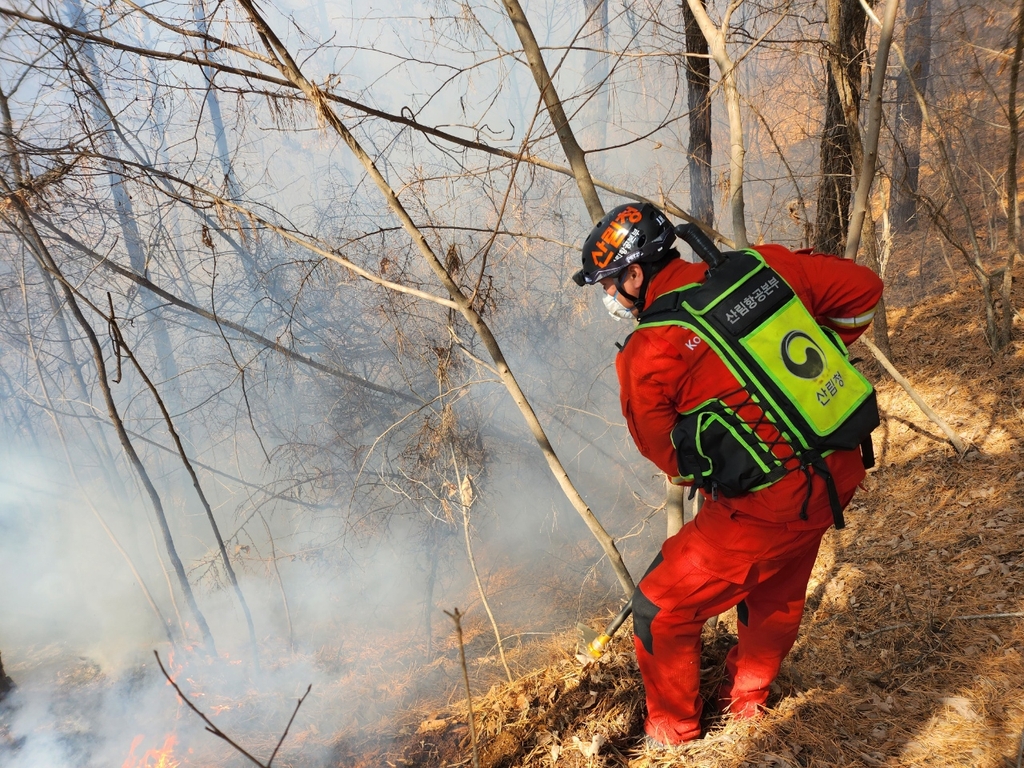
(628, 234)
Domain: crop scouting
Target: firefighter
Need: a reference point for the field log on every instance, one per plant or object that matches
(751, 550)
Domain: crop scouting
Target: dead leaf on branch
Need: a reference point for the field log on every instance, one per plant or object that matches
(466, 492)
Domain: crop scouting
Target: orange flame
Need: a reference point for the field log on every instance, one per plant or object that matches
(153, 758)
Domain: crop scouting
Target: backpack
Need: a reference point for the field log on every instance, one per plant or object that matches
(791, 371)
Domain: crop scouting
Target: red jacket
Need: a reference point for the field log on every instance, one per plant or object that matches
(666, 370)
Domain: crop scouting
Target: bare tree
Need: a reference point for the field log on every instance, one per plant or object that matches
(906, 156)
(955, 216)
(717, 37)
(283, 60)
(845, 58)
(41, 253)
(698, 95)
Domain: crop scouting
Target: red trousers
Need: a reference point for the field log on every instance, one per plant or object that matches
(720, 560)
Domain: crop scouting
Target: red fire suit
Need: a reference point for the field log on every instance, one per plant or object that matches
(753, 551)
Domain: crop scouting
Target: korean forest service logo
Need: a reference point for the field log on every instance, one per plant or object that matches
(797, 344)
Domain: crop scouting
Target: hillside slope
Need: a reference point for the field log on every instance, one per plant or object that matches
(911, 652)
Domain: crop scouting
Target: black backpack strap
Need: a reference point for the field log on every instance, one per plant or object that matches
(665, 307)
(813, 460)
(867, 452)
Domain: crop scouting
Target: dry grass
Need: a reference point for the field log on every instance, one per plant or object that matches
(892, 666)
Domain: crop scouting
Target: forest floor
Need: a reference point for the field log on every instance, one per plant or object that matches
(911, 652)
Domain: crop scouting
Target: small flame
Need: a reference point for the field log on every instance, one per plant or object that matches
(153, 758)
(173, 668)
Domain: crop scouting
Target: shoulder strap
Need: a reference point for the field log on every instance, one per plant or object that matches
(735, 267)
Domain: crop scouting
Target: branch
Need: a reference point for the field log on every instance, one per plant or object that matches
(330, 119)
(212, 728)
(115, 332)
(954, 438)
(573, 151)
(215, 318)
(465, 491)
(399, 119)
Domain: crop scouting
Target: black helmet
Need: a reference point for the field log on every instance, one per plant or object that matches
(630, 233)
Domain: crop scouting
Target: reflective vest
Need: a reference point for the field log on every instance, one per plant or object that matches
(792, 373)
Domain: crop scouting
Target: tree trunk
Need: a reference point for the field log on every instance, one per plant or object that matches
(573, 152)
(717, 40)
(1012, 203)
(698, 94)
(906, 157)
(595, 73)
(123, 207)
(846, 28)
(6, 684)
(864, 154)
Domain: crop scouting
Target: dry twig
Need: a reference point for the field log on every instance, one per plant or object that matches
(465, 491)
(456, 616)
(974, 617)
(223, 736)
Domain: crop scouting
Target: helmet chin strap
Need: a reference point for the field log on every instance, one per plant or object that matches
(623, 291)
(638, 301)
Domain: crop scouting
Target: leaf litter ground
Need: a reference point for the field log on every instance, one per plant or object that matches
(909, 653)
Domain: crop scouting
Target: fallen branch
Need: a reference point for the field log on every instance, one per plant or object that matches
(973, 617)
(957, 441)
(223, 736)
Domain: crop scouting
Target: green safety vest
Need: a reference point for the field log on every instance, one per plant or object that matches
(794, 370)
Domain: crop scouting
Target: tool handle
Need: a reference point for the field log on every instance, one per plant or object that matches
(702, 245)
(620, 617)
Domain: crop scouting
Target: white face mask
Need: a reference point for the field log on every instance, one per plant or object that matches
(615, 309)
